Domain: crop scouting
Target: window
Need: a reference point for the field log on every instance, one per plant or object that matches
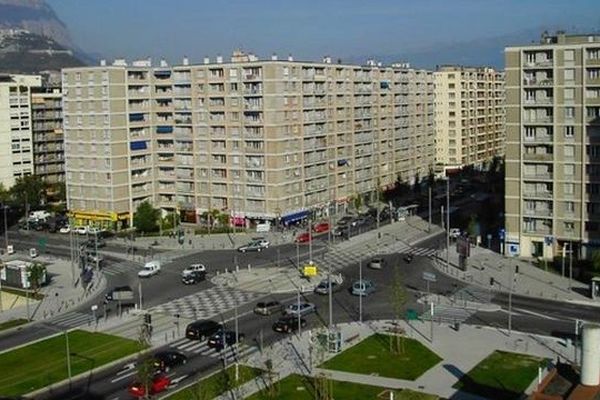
(569, 55)
(569, 169)
(451, 86)
(569, 207)
(569, 94)
(233, 73)
(569, 131)
(569, 151)
(569, 75)
(78, 76)
(569, 188)
(570, 112)
(569, 226)
(286, 71)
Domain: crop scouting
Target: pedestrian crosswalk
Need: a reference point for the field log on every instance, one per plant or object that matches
(448, 314)
(207, 303)
(70, 320)
(201, 347)
(120, 268)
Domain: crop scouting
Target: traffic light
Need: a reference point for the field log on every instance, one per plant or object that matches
(148, 319)
(492, 281)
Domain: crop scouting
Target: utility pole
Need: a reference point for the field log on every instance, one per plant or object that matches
(297, 254)
(442, 214)
(96, 249)
(237, 340)
(448, 223)
(310, 240)
(570, 263)
(330, 297)
(564, 254)
(298, 310)
(140, 293)
(429, 228)
(363, 286)
(512, 281)
(431, 319)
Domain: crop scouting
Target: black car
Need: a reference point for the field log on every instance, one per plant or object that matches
(222, 338)
(193, 277)
(202, 329)
(165, 360)
(288, 324)
(408, 258)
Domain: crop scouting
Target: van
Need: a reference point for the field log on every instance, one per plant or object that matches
(263, 227)
(39, 215)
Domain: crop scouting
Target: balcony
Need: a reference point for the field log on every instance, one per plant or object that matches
(538, 230)
(539, 176)
(539, 139)
(539, 101)
(539, 212)
(539, 157)
(538, 194)
(538, 82)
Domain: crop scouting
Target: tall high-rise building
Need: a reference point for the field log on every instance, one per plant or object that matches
(553, 146)
(469, 116)
(16, 156)
(48, 150)
(258, 139)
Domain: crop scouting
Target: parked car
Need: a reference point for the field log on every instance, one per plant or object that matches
(323, 287)
(65, 229)
(363, 288)
(264, 243)
(304, 237)
(159, 383)
(288, 324)
(256, 245)
(93, 243)
(219, 340)
(377, 263)
(193, 277)
(321, 227)
(202, 329)
(341, 230)
(268, 307)
(80, 230)
(165, 360)
(359, 221)
(302, 309)
(345, 220)
(150, 268)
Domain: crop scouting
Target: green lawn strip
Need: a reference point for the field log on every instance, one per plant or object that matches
(216, 384)
(40, 364)
(501, 375)
(12, 323)
(297, 387)
(23, 293)
(373, 356)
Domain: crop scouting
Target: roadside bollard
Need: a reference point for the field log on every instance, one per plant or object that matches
(225, 270)
(237, 268)
(249, 266)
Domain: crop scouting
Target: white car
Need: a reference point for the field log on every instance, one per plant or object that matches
(151, 268)
(194, 268)
(65, 229)
(81, 230)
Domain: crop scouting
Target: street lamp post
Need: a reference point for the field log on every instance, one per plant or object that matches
(570, 263)
(5, 229)
(309, 240)
(448, 223)
(298, 311)
(429, 227)
(297, 254)
(362, 286)
(140, 293)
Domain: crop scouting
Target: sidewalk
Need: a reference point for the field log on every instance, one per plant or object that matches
(60, 295)
(484, 264)
(290, 356)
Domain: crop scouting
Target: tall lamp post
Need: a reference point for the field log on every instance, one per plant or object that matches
(447, 223)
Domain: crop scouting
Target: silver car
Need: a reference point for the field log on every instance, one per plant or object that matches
(377, 263)
(300, 309)
(363, 288)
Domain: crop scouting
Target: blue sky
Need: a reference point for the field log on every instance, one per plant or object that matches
(309, 29)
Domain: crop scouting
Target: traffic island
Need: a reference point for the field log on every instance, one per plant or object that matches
(49, 361)
(501, 375)
(299, 387)
(217, 384)
(389, 356)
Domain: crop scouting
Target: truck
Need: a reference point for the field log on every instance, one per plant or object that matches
(120, 293)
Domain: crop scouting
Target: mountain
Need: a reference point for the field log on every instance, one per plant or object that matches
(35, 16)
(29, 53)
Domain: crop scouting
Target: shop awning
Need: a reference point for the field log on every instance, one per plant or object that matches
(298, 216)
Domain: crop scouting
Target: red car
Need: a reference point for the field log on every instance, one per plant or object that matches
(304, 237)
(321, 227)
(159, 383)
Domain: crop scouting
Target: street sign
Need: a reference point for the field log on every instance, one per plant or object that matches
(429, 277)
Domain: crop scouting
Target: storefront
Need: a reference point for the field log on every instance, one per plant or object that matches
(104, 220)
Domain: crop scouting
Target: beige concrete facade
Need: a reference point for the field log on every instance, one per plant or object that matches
(48, 137)
(553, 146)
(16, 156)
(469, 116)
(257, 139)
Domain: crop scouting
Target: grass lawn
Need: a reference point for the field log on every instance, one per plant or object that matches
(297, 387)
(501, 375)
(12, 323)
(216, 384)
(373, 356)
(32, 367)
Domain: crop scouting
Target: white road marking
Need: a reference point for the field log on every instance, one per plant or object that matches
(126, 368)
(130, 373)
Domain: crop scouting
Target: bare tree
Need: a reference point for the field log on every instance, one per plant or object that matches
(272, 386)
(145, 365)
(398, 299)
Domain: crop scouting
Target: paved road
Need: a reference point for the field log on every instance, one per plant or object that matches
(531, 315)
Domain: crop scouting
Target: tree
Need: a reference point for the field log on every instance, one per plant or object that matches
(272, 386)
(357, 201)
(36, 273)
(4, 195)
(417, 184)
(145, 365)
(398, 301)
(58, 191)
(30, 190)
(146, 217)
(596, 261)
(473, 225)
(431, 178)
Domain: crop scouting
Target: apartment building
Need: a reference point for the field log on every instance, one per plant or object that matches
(469, 116)
(48, 151)
(259, 139)
(553, 146)
(16, 155)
